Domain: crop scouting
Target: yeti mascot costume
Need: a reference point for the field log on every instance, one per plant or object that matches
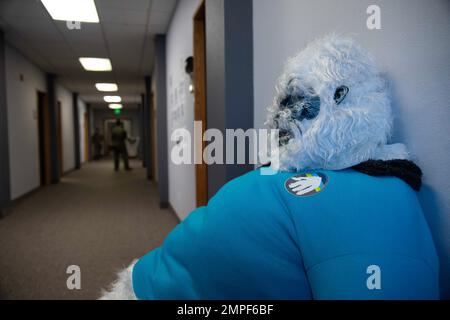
(341, 219)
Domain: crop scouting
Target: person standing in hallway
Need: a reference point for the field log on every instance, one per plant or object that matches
(119, 135)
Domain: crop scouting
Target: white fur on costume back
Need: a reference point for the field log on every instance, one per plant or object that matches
(122, 288)
(342, 134)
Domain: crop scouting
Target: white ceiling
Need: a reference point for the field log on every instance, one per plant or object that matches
(124, 35)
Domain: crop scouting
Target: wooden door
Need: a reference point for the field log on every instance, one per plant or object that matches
(200, 100)
(59, 139)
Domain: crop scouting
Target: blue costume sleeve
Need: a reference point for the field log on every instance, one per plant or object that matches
(240, 246)
(162, 273)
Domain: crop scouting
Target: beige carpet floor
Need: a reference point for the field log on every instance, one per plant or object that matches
(94, 218)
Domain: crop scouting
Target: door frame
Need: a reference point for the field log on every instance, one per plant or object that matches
(86, 137)
(59, 138)
(43, 127)
(201, 169)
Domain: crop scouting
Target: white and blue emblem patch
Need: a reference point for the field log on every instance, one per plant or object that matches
(306, 184)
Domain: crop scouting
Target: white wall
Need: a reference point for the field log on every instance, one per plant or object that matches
(23, 134)
(180, 103)
(68, 139)
(22, 121)
(412, 48)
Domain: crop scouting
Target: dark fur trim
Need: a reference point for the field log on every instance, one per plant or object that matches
(406, 170)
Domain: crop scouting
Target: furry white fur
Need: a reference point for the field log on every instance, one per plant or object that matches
(341, 135)
(122, 288)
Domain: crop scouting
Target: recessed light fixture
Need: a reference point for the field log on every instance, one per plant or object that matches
(106, 87)
(115, 106)
(112, 99)
(72, 10)
(96, 64)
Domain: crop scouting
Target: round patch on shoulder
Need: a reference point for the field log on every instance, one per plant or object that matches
(306, 184)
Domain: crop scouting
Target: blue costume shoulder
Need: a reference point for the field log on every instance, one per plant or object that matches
(317, 234)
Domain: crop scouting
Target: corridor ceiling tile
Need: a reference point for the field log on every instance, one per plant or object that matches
(127, 17)
(167, 6)
(32, 28)
(157, 29)
(136, 5)
(124, 35)
(98, 51)
(127, 31)
(88, 33)
(30, 52)
(160, 18)
(22, 8)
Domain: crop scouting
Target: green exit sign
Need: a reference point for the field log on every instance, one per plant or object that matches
(117, 112)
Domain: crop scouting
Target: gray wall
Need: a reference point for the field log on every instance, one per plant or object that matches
(147, 106)
(412, 47)
(229, 77)
(159, 87)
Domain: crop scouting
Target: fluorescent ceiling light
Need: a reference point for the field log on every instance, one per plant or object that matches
(107, 87)
(72, 10)
(96, 64)
(115, 106)
(112, 99)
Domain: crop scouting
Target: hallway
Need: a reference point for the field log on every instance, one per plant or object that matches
(95, 218)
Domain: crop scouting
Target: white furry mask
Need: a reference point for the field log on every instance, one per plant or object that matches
(332, 108)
